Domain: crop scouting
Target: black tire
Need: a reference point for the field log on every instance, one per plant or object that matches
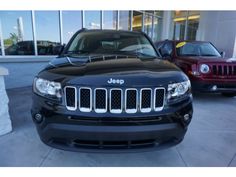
(230, 94)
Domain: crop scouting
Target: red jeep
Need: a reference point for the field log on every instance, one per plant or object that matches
(208, 70)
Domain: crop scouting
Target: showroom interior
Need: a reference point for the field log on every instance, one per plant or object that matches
(25, 40)
(43, 28)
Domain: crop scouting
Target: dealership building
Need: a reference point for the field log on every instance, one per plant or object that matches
(27, 37)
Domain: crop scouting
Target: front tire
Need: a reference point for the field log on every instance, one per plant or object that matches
(230, 94)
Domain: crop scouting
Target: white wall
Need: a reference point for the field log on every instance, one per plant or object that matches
(219, 27)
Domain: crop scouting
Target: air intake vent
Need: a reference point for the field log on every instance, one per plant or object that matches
(146, 100)
(131, 103)
(100, 104)
(71, 98)
(85, 99)
(116, 100)
(159, 95)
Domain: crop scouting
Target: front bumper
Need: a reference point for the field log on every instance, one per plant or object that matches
(213, 86)
(112, 134)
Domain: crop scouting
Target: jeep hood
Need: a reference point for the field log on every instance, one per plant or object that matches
(209, 60)
(134, 71)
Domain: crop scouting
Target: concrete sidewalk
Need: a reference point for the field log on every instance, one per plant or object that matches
(210, 140)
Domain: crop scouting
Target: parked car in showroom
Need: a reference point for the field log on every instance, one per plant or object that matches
(27, 48)
(207, 68)
(109, 90)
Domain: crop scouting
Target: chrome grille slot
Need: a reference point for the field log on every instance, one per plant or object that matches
(116, 101)
(146, 100)
(85, 99)
(71, 98)
(159, 95)
(131, 103)
(100, 103)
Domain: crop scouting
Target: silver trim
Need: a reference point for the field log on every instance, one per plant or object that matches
(70, 108)
(159, 108)
(100, 110)
(116, 111)
(145, 110)
(85, 109)
(131, 111)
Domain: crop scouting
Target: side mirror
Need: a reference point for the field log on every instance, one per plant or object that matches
(222, 54)
(166, 56)
(58, 49)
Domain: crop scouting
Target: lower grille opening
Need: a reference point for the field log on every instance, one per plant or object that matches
(115, 144)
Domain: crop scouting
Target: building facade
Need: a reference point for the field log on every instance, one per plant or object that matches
(29, 39)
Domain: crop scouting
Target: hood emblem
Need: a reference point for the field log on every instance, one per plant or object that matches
(115, 81)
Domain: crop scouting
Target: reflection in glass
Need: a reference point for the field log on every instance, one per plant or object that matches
(124, 20)
(148, 25)
(17, 32)
(179, 29)
(193, 22)
(47, 32)
(137, 21)
(92, 19)
(109, 19)
(71, 23)
(157, 25)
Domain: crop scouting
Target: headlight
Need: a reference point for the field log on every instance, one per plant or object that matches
(47, 88)
(204, 68)
(176, 90)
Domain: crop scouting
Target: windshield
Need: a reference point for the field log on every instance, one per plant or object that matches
(196, 49)
(111, 43)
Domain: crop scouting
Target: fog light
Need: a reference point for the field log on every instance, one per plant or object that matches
(38, 118)
(214, 88)
(186, 117)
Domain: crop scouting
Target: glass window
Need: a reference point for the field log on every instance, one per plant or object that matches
(148, 25)
(158, 13)
(109, 19)
(181, 18)
(197, 49)
(1, 40)
(71, 23)
(157, 25)
(137, 21)
(193, 22)
(92, 19)
(17, 32)
(47, 32)
(124, 20)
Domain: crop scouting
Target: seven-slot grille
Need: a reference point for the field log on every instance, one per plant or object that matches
(224, 70)
(114, 100)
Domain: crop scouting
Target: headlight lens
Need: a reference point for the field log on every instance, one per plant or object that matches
(176, 90)
(204, 68)
(47, 88)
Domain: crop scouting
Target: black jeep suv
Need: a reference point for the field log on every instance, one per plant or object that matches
(108, 90)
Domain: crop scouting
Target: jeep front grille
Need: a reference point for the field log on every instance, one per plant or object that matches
(224, 70)
(115, 100)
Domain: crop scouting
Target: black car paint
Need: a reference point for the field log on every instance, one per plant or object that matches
(137, 73)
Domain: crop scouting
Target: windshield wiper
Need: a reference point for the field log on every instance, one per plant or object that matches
(211, 55)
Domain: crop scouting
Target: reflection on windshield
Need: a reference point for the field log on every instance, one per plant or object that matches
(197, 49)
(111, 43)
